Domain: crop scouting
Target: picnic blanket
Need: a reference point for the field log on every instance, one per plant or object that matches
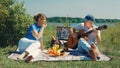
(71, 55)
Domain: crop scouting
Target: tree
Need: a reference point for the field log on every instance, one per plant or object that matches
(14, 21)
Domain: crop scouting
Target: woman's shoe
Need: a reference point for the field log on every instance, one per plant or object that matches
(28, 59)
(21, 56)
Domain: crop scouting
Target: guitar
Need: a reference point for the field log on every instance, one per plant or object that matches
(73, 42)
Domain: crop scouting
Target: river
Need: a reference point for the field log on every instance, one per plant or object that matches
(74, 24)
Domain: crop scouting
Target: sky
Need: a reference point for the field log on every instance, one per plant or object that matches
(109, 9)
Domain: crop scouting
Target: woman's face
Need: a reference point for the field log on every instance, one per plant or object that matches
(41, 21)
(88, 24)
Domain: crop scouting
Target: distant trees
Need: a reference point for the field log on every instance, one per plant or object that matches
(79, 20)
(64, 19)
(13, 21)
(107, 20)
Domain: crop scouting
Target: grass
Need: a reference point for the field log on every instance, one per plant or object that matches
(110, 46)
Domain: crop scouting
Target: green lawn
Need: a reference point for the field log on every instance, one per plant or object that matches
(110, 46)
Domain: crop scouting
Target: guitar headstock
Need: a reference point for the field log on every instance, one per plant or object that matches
(102, 27)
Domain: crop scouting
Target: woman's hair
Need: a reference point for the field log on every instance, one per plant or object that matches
(39, 15)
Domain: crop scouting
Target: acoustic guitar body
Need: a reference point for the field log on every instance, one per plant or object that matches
(73, 42)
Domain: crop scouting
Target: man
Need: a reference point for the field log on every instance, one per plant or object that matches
(94, 38)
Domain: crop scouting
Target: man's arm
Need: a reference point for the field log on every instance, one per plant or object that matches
(97, 36)
(72, 32)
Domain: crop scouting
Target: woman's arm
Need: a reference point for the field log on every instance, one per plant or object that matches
(41, 47)
(39, 35)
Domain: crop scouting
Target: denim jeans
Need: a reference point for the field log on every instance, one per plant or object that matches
(83, 46)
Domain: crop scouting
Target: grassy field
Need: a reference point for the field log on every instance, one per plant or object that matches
(110, 46)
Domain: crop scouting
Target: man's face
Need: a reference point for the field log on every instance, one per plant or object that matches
(88, 24)
(86, 38)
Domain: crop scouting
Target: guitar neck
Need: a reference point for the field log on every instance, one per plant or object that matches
(91, 31)
(81, 35)
(88, 32)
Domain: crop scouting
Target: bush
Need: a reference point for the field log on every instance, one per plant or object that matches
(13, 22)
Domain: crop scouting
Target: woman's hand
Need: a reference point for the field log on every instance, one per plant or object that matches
(44, 25)
(39, 35)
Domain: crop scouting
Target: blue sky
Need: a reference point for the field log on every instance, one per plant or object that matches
(74, 8)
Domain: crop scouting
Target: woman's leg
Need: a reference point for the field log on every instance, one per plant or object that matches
(30, 49)
(33, 50)
(23, 44)
(33, 46)
(33, 55)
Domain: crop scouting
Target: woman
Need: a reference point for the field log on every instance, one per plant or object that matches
(32, 43)
(94, 38)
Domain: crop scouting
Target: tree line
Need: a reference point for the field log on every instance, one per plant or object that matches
(79, 20)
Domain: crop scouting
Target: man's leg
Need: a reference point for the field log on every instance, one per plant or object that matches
(85, 46)
(94, 52)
